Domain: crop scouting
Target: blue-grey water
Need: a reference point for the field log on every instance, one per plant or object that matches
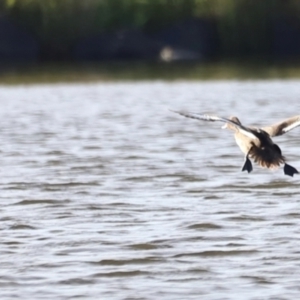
(106, 194)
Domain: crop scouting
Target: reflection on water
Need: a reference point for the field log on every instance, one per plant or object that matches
(104, 192)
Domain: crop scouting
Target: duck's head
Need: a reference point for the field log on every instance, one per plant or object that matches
(231, 126)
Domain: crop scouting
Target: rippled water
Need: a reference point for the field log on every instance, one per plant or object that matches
(105, 194)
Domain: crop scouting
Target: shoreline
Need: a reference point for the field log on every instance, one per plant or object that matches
(141, 71)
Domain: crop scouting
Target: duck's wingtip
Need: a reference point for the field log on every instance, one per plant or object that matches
(174, 111)
(180, 112)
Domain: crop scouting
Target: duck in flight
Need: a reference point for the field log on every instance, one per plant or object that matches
(255, 143)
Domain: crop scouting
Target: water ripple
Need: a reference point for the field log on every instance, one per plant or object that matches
(106, 193)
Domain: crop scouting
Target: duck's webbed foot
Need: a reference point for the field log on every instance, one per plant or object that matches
(247, 165)
(289, 170)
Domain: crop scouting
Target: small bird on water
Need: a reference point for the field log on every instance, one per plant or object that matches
(255, 143)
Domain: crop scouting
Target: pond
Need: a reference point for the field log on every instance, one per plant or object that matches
(107, 194)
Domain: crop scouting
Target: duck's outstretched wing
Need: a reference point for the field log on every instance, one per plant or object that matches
(246, 131)
(201, 116)
(283, 126)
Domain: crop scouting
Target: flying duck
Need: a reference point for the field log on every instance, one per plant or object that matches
(255, 143)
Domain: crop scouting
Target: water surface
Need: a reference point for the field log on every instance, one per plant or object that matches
(107, 194)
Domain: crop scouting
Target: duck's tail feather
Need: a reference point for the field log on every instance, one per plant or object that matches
(266, 157)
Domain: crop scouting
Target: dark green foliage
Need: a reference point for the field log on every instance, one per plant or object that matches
(243, 25)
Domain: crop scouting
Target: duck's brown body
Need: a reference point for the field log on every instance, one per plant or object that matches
(263, 151)
(258, 147)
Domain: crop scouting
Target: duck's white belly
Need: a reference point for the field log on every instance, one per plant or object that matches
(244, 142)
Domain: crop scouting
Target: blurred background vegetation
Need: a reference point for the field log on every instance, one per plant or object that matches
(66, 20)
(246, 30)
(243, 25)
